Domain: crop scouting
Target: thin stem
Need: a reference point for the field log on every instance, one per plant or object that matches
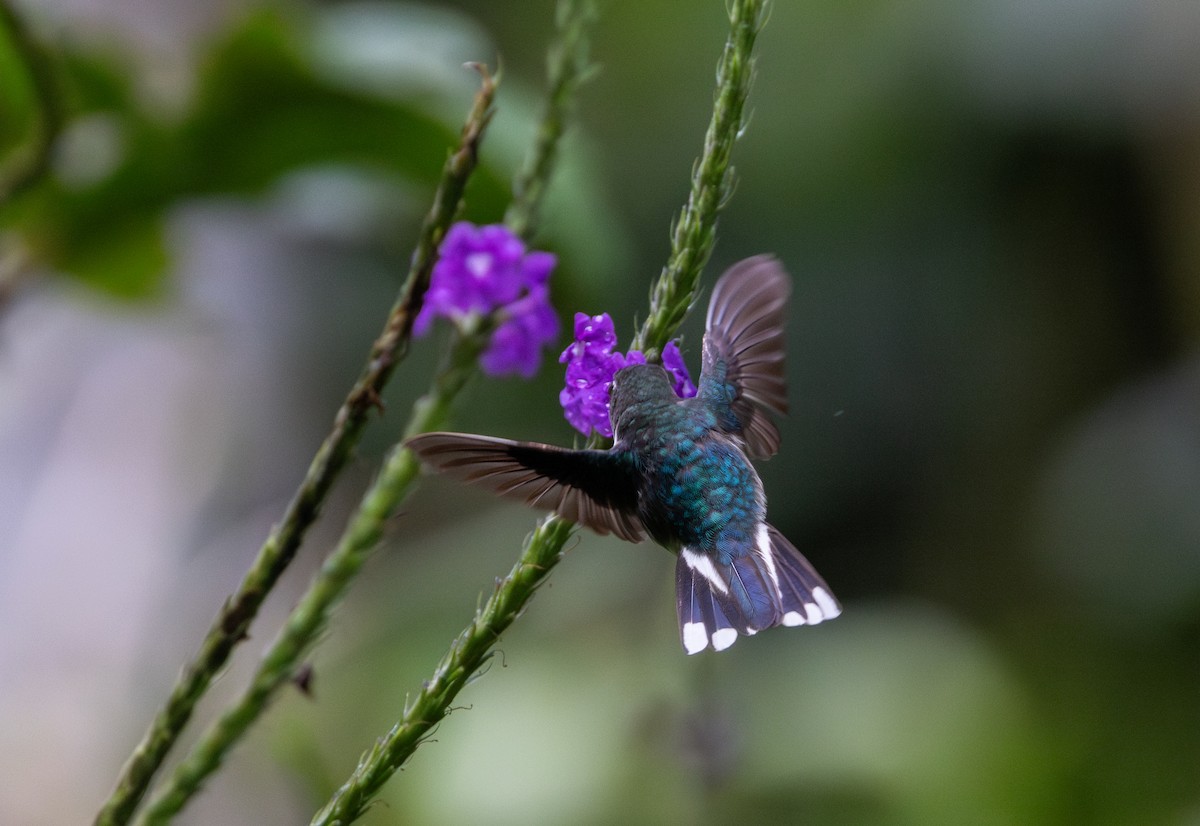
(28, 164)
(467, 654)
(366, 526)
(694, 233)
(276, 554)
(567, 66)
(544, 547)
(311, 613)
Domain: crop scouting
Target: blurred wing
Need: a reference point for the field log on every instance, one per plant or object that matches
(592, 487)
(743, 368)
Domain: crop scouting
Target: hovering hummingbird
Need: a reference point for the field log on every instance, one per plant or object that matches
(679, 470)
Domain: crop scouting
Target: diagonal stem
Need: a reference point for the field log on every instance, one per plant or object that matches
(567, 67)
(234, 619)
(306, 621)
(693, 235)
(467, 654)
(395, 478)
(692, 244)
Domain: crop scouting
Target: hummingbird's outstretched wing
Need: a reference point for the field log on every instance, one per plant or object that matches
(743, 371)
(592, 487)
(764, 586)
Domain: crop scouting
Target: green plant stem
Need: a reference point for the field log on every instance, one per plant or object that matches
(308, 618)
(276, 554)
(544, 546)
(28, 164)
(567, 66)
(693, 235)
(366, 526)
(469, 651)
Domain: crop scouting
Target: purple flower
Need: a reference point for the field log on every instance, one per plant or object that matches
(516, 346)
(483, 270)
(591, 364)
(672, 360)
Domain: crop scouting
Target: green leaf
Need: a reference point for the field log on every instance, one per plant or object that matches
(260, 112)
(272, 96)
(16, 98)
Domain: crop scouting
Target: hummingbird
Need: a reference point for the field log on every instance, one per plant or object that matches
(679, 470)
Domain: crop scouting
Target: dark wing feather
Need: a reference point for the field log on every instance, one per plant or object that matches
(592, 487)
(743, 369)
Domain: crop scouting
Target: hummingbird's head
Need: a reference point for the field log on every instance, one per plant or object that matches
(636, 384)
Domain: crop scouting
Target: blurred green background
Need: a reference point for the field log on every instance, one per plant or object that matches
(992, 215)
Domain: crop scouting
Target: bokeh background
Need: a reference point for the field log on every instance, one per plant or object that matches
(992, 215)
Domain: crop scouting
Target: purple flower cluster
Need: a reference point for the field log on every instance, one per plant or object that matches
(592, 361)
(481, 270)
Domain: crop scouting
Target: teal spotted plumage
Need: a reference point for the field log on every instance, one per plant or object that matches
(679, 471)
(694, 481)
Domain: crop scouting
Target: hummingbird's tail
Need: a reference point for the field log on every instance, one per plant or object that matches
(768, 585)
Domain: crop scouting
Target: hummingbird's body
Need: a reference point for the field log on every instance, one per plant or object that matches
(679, 471)
(693, 481)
